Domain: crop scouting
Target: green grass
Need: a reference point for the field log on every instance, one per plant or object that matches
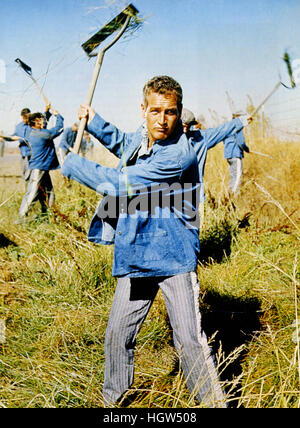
(56, 291)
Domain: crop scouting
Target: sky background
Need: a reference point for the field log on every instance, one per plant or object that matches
(208, 46)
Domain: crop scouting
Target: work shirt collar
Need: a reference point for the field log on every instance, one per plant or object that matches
(144, 149)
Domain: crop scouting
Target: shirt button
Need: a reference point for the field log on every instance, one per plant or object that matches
(120, 233)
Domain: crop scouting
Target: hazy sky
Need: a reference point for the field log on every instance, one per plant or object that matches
(209, 46)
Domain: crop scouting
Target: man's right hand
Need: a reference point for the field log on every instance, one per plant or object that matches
(87, 112)
(54, 111)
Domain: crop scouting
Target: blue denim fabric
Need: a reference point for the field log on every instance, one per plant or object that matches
(68, 139)
(23, 131)
(43, 155)
(235, 145)
(154, 234)
(203, 140)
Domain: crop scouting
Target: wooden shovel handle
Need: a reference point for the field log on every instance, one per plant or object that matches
(93, 83)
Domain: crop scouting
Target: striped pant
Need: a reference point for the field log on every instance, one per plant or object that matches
(40, 189)
(25, 168)
(235, 172)
(132, 301)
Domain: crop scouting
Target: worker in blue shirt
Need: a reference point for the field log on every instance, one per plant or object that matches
(67, 142)
(234, 148)
(149, 211)
(20, 134)
(87, 144)
(205, 139)
(43, 159)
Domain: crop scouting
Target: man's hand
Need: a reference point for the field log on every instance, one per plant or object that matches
(249, 119)
(54, 112)
(48, 106)
(87, 112)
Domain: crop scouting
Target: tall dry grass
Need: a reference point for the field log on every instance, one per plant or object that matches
(56, 290)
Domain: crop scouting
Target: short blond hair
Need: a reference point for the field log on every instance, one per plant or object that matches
(163, 85)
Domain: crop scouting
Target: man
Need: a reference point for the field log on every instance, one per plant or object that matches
(20, 134)
(43, 159)
(67, 143)
(156, 242)
(87, 145)
(205, 139)
(234, 148)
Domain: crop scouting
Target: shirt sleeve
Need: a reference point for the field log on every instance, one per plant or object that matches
(64, 143)
(109, 135)
(21, 132)
(214, 136)
(58, 128)
(127, 182)
(240, 140)
(16, 132)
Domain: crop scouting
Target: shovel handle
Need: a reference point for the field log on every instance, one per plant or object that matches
(93, 83)
(92, 87)
(265, 100)
(40, 89)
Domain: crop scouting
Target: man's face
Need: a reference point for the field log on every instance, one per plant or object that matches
(25, 119)
(39, 122)
(161, 115)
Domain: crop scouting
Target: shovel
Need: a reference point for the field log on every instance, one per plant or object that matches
(121, 22)
(28, 71)
(286, 59)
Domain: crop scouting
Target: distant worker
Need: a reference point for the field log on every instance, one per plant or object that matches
(234, 148)
(21, 134)
(67, 143)
(203, 140)
(43, 159)
(87, 144)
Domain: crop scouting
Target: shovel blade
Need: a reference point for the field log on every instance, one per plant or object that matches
(90, 45)
(25, 67)
(286, 59)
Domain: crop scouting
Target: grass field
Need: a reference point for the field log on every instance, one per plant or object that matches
(56, 290)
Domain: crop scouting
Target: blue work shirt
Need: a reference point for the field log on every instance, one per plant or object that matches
(150, 208)
(68, 139)
(42, 146)
(203, 140)
(23, 131)
(235, 145)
